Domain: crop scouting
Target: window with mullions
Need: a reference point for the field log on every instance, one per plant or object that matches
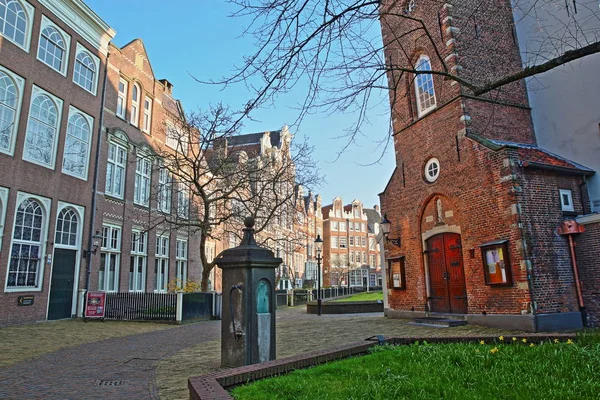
(77, 145)
(161, 264)
(139, 259)
(110, 259)
(115, 170)
(122, 98)
(135, 104)
(53, 46)
(147, 115)
(66, 227)
(141, 189)
(181, 258)
(25, 258)
(13, 22)
(11, 88)
(164, 190)
(424, 89)
(42, 128)
(85, 72)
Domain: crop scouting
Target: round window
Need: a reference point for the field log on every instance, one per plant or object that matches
(432, 170)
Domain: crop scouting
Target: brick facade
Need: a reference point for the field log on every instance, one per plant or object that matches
(50, 187)
(588, 260)
(495, 186)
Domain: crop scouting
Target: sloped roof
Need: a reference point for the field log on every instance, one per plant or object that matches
(373, 218)
(254, 138)
(535, 156)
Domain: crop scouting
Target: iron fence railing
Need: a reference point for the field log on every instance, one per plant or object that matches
(141, 306)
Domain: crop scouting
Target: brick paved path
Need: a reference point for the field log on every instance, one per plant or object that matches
(74, 373)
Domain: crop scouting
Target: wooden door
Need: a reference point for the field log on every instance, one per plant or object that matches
(448, 293)
(438, 296)
(61, 291)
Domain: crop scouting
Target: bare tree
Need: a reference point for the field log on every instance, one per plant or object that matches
(207, 186)
(333, 50)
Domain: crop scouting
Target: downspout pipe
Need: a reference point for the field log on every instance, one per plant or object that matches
(569, 228)
(95, 185)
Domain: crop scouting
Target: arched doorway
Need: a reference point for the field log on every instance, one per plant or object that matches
(448, 293)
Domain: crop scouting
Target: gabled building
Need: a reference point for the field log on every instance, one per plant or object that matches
(474, 199)
(53, 62)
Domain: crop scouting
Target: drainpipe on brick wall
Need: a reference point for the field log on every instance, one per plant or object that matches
(95, 185)
(570, 228)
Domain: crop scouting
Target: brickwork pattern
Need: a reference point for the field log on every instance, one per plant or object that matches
(588, 260)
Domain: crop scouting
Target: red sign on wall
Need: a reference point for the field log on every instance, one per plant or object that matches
(94, 305)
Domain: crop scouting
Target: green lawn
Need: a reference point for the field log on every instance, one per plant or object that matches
(448, 371)
(363, 297)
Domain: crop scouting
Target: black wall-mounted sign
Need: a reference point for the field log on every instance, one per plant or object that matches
(25, 300)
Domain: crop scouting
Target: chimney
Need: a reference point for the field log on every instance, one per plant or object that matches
(376, 208)
(168, 86)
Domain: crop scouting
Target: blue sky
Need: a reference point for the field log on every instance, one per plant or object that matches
(197, 38)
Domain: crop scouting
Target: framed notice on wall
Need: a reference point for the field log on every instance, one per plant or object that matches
(95, 304)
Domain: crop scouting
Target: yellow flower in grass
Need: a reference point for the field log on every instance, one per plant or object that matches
(556, 341)
(494, 350)
(514, 339)
(524, 340)
(569, 341)
(476, 350)
(532, 345)
(481, 342)
(501, 338)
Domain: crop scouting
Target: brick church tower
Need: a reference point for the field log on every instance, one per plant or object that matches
(474, 200)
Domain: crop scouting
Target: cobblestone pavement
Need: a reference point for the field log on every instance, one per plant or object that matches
(146, 365)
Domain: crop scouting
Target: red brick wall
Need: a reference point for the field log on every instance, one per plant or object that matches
(588, 260)
(21, 176)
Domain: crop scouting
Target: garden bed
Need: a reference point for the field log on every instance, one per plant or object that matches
(508, 363)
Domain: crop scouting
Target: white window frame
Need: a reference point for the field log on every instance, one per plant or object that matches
(134, 109)
(29, 11)
(143, 179)
(161, 280)
(181, 260)
(58, 103)
(19, 83)
(121, 110)
(342, 227)
(46, 23)
(139, 256)
(563, 206)
(45, 204)
(429, 77)
(334, 226)
(113, 249)
(183, 201)
(343, 245)
(3, 207)
(116, 164)
(81, 49)
(429, 177)
(147, 118)
(165, 189)
(334, 242)
(90, 121)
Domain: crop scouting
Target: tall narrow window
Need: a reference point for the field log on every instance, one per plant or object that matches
(67, 227)
(141, 190)
(135, 105)
(164, 190)
(52, 49)
(122, 98)
(424, 87)
(181, 260)
(42, 128)
(26, 252)
(137, 266)
(147, 115)
(13, 21)
(77, 145)
(9, 100)
(161, 264)
(183, 201)
(115, 170)
(110, 259)
(85, 72)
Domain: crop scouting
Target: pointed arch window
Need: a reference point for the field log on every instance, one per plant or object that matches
(424, 89)
(26, 252)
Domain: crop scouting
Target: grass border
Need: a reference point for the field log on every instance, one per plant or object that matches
(214, 386)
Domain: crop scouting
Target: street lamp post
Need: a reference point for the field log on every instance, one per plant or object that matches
(318, 246)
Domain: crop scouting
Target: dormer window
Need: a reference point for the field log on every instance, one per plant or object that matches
(424, 89)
